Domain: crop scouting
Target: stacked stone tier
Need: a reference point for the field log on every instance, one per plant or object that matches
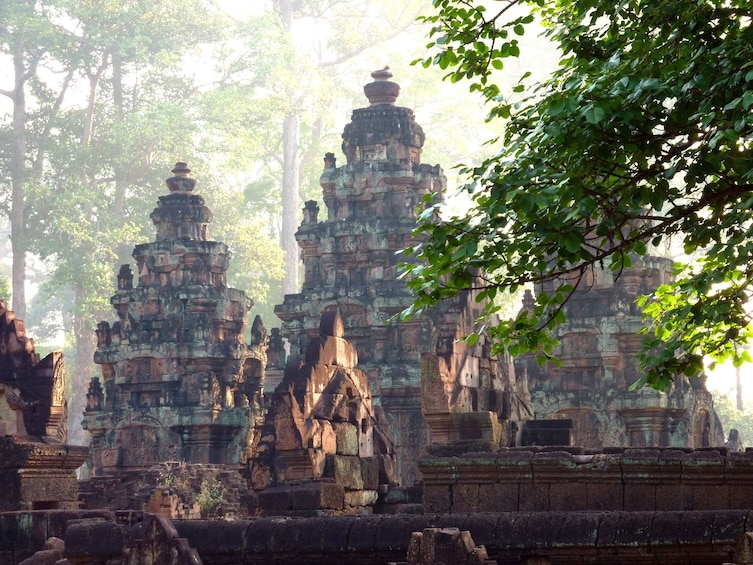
(181, 215)
(182, 262)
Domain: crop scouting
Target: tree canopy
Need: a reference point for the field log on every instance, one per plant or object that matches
(642, 135)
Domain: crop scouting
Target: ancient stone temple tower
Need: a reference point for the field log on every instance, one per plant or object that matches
(178, 382)
(37, 468)
(591, 388)
(350, 262)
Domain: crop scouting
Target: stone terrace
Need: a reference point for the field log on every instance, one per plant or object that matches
(697, 537)
(541, 480)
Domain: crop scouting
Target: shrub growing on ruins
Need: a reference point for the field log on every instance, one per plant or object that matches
(643, 134)
(210, 498)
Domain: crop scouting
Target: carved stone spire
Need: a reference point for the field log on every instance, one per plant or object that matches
(382, 90)
(181, 214)
(383, 133)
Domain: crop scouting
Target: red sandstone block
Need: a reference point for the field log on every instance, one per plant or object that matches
(640, 497)
(477, 469)
(438, 470)
(703, 467)
(274, 499)
(314, 496)
(534, 497)
(711, 497)
(604, 496)
(437, 499)
(674, 497)
(568, 497)
(553, 467)
(498, 498)
(740, 496)
(739, 469)
(465, 498)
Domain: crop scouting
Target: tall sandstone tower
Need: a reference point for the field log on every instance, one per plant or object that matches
(592, 386)
(179, 383)
(350, 261)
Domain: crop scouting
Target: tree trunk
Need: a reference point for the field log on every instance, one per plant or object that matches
(82, 371)
(291, 131)
(291, 174)
(18, 197)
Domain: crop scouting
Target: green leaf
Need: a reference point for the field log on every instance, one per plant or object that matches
(594, 114)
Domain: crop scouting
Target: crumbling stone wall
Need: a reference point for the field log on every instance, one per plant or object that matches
(607, 538)
(322, 426)
(541, 480)
(592, 385)
(37, 469)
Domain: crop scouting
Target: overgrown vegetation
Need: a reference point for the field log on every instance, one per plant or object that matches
(210, 498)
(642, 135)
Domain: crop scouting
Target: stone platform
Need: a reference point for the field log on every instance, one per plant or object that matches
(555, 480)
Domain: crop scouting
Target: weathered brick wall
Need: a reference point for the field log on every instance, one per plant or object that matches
(538, 480)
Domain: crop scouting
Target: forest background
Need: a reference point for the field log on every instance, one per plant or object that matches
(101, 97)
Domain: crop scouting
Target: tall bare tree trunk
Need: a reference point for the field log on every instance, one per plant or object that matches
(291, 174)
(291, 131)
(18, 180)
(739, 389)
(83, 368)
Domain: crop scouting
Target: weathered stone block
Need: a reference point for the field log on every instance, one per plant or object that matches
(553, 467)
(477, 468)
(640, 496)
(316, 495)
(275, 498)
(703, 467)
(534, 497)
(568, 497)
(330, 406)
(347, 438)
(370, 473)
(332, 351)
(499, 497)
(346, 470)
(674, 497)
(740, 496)
(356, 498)
(711, 497)
(604, 496)
(387, 470)
(437, 499)
(465, 498)
(329, 438)
(287, 432)
(440, 470)
(515, 466)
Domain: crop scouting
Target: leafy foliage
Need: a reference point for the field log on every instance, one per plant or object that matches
(643, 134)
(732, 418)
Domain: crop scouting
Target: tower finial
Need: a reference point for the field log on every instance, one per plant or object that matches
(181, 181)
(382, 90)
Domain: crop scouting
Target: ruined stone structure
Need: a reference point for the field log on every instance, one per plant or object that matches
(179, 383)
(519, 538)
(325, 448)
(350, 262)
(591, 388)
(37, 468)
